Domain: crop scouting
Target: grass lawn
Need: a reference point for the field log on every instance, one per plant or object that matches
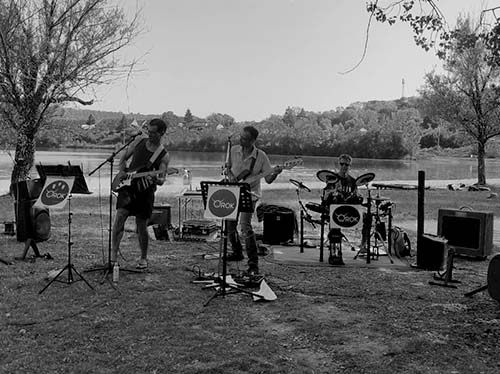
(325, 320)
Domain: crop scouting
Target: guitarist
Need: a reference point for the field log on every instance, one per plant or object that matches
(147, 154)
(248, 164)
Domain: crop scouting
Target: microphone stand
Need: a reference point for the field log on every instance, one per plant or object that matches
(107, 268)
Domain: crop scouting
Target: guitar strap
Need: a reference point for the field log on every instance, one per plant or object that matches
(253, 161)
(160, 151)
(157, 155)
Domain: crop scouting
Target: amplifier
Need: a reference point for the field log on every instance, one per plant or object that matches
(470, 233)
(161, 215)
(432, 252)
(279, 227)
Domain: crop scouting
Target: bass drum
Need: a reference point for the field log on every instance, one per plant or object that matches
(494, 278)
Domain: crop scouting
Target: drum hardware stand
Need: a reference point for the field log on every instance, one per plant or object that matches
(225, 288)
(368, 224)
(378, 236)
(335, 247)
(447, 276)
(70, 268)
(108, 267)
(304, 214)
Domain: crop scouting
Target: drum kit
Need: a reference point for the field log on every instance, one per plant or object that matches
(373, 219)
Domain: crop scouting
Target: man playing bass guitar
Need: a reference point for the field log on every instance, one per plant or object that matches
(248, 164)
(137, 199)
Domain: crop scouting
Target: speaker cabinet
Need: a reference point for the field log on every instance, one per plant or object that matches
(162, 215)
(470, 233)
(32, 222)
(27, 189)
(278, 227)
(432, 252)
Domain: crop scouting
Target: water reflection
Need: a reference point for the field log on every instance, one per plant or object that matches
(208, 166)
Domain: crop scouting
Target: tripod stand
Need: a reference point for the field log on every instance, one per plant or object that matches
(379, 232)
(107, 268)
(303, 211)
(70, 268)
(246, 205)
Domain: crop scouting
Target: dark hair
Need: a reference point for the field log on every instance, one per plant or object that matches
(160, 125)
(345, 157)
(252, 131)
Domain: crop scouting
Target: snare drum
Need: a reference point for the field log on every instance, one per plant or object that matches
(315, 207)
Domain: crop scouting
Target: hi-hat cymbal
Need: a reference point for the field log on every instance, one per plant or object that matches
(327, 176)
(365, 179)
(380, 198)
(299, 185)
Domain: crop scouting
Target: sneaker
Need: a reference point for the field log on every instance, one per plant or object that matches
(142, 264)
(235, 257)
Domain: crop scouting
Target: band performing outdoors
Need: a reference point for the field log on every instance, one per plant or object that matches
(346, 212)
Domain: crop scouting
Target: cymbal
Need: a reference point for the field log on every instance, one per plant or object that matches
(365, 179)
(327, 176)
(299, 185)
(380, 198)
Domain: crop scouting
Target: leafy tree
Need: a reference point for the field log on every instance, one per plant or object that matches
(188, 117)
(90, 120)
(52, 52)
(289, 117)
(468, 93)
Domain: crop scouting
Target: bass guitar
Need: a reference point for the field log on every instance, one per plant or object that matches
(124, 179)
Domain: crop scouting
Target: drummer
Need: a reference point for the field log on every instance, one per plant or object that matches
(344, 190)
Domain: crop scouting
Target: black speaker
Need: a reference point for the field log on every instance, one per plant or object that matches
(278, 227)
(432, 252)
(32, 222)
(27, 189)
(161, 215)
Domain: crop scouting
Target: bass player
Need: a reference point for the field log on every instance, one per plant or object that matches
(148, 154)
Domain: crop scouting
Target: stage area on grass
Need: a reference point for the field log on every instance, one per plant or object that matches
(310, 256)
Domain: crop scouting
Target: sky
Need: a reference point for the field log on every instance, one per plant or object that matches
(254, 58)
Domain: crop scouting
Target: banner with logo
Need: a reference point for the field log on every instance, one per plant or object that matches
(55, 192)
(346, 216)
(222, 202)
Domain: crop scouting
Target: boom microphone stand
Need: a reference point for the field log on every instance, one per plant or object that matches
(108, 268)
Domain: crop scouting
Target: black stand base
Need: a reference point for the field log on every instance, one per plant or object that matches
(444, 281)
(108, 269)
(477, 290)
(71, 268)
(336, 260)
(27, 244)
(447, 277)
(228, 289)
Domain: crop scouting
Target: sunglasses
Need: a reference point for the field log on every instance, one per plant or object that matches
(344, 164)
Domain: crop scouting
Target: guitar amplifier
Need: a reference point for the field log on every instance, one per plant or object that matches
(161, 215)
(470, 233)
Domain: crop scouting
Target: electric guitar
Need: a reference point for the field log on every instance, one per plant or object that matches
(124, 179)
(289, 164)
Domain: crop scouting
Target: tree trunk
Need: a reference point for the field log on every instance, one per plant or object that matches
(25, 154)
(481, 172)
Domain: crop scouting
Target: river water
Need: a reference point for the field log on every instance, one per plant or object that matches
(208, 166)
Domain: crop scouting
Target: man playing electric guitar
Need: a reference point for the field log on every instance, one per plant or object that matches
(137, 200)
(248, 164)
